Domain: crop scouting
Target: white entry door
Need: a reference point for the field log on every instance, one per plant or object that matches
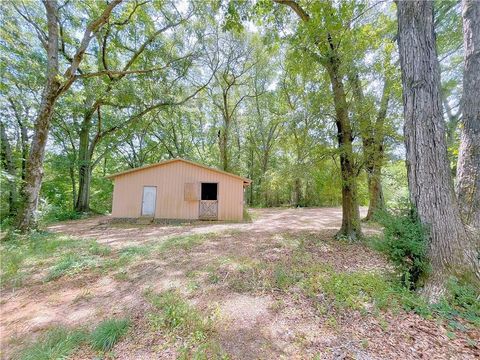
(149, 200)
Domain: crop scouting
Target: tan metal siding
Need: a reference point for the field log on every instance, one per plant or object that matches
(170, 180)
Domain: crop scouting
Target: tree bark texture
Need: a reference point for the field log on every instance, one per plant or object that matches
(374, 164)
(372, 134)
(34, 171)
(55, 86)
(297, 192)
(224, 132)
(351, 227)
(84, 166)
(468, 167)
(9, 166)
(430, 183)
(23, 136)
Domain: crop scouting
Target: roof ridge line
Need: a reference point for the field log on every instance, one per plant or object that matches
(112, 176)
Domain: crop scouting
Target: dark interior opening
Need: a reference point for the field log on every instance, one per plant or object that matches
(209, 191)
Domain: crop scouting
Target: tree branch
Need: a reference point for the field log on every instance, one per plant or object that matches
(295, 7)
(89, 33)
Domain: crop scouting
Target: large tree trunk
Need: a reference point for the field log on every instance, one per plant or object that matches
(54, 88)
(34, 172)
(351, 227)
(297, 192)
(84, 184)
(85, 153)
(468, 168)
(429, 179)
(9, 166)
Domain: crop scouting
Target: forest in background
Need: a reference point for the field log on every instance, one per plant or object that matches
(311, 100)
(224, 84)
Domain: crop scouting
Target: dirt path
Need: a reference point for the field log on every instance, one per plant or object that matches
(253, 323)
(265, 221)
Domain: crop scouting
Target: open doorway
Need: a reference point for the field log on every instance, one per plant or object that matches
(209, 202)
(209, 191)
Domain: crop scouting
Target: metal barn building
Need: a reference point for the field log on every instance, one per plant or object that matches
(178, 189)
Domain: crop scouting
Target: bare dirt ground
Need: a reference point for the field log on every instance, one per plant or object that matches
(251, 323)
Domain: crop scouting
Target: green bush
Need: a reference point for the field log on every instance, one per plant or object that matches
(405, 243)
(49, 213)
(108, 332)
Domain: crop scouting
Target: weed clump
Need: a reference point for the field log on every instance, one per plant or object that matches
(70, 264)
(57, 343)
(108, 332)
(177, 317)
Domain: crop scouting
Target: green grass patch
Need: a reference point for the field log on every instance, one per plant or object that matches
(70, 264)
(134, 251)
(364, 291)
(247, 275)
(99, 249)
(176, 314)
(108, 333)
(57, 343)
(178, 318)
(124, 257)
(354, 290)
(184, 242)
(60, 343)
(284, 276)
(21, 253)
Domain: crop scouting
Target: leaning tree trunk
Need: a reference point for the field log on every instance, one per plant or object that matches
(429, 179)
(34, 172)
(351, 227)
(468, 168)
(54, 88)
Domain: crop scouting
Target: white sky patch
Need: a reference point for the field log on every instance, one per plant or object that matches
(251, 27)
(182, 6)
